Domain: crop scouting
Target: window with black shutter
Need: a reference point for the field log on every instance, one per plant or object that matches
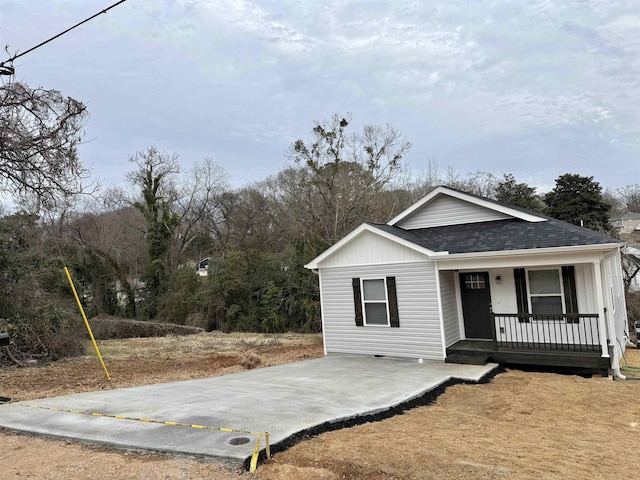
(521, 294)
(376, 302)
(394, 318)
(357, 301)
(570, 297)
(547, 293)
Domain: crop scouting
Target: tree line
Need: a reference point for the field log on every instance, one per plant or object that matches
(134, 251)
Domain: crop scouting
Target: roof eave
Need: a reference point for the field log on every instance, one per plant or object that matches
(529, 251)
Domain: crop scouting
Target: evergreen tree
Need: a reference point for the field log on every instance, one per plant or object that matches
(578, 200)
(516, 194)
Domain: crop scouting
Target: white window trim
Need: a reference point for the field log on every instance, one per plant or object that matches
(364, 302)
(561, 281)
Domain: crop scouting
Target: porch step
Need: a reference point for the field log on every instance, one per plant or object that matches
(467, 358)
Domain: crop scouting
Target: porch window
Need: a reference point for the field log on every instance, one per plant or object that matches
(545, 292)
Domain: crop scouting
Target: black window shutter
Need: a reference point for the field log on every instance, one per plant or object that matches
(357, 301)
(394, 319)
(570, 297)
(521, 294)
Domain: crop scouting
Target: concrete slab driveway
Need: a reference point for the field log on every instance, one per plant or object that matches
(282, 400)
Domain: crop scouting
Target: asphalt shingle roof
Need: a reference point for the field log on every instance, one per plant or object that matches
(627, 216)
(500, 235)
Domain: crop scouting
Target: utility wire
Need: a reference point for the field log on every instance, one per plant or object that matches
(3, 64)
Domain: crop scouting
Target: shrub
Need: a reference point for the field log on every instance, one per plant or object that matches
(105, 327)
(50, 333)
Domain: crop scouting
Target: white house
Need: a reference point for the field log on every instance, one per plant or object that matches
(202, 270)
(462, 278)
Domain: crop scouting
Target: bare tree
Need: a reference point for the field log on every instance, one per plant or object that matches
(39, 134)
(115, 237)
(246, 220)
(330, 193)
(197, 204)
(481, 183)
(630, 197)
(422, 182)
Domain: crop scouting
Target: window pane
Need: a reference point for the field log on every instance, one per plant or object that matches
(374, 290)
(376, 313)
(544, 282)
(474, 281)
(546, 305)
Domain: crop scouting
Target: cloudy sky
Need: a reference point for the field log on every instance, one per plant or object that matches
(536, 88)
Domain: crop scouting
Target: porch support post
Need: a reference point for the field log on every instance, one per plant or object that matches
(602, 324)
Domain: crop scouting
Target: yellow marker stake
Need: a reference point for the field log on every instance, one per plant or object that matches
(86, 322)
(268, 448)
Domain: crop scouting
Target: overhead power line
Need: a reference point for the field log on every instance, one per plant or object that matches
(6, 69)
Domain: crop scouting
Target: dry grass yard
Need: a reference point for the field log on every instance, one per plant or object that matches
(522, 425)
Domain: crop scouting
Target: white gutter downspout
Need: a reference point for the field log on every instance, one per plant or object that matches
(617, 374)
(615, 364)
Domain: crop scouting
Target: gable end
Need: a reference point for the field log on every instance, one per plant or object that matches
(369, 248)
(423, 210)
(445, 210)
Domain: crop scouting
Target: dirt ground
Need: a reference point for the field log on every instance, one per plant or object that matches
(530, 425)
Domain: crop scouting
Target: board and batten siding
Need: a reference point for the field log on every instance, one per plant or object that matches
(449, 308)
(503, 294)
(419, 333)
(585, 288)
(369, 248)
(444, 210)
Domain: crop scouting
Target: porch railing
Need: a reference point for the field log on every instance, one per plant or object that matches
(551, 333)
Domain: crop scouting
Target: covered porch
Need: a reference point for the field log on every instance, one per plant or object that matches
(554, 340)
(548, 310)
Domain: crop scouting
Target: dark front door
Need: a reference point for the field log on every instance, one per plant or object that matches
(476, 304)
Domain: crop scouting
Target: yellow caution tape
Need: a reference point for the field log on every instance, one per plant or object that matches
(254, 457)
(256, 450)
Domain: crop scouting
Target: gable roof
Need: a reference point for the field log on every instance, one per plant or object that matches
(373, 228)
(628, 215)
(500, 235)
(489, 204)
(525, 230)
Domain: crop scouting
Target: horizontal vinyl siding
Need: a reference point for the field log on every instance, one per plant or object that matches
(445, 210)
(449, 308)
(419, 333)
(369, 248)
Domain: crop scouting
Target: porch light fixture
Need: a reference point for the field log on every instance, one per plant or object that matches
(498, 278)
